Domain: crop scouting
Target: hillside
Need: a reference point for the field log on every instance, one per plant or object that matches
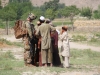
(79, 3)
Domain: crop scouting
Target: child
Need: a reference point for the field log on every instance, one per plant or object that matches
(65, 50)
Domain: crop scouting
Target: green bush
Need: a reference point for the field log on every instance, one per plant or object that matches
(93, 40)
(85, 57)
(60, 23)
(11, 43)
(7, 55)
(79, 38)
(9, 72)
(11, 24)
(5, 41)
(2, 24)
(8, 61)
(5, 58)
(97, 35)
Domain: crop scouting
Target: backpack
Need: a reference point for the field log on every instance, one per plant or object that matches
(19, 29)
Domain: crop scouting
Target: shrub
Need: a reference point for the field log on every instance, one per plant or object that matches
(93, 40)
(85, 57)
(79, 38)
(97, 35)
(62, 23)
(7, 55)
(11, 43)
(5, 41)
(2, 24)
(5, 60)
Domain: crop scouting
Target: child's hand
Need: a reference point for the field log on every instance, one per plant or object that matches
(61, 32)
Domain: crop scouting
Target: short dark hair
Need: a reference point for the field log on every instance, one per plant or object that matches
(42, 21)
(64, 28)
(47, 22)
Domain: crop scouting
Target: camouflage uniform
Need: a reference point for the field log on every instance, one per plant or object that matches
(29, 45)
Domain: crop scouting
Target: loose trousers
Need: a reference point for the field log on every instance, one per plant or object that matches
(28, 56)
(65, 61)
(46, 56)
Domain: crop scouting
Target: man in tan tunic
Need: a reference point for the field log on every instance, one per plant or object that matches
(46, 49)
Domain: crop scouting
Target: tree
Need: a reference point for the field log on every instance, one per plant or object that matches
(26, 7)
(19, 1)
(51, 6)
(50, 14)
(71, 18)
(14, 10)
(7, 14)
(73, 10)
(0, 4)
(96, 13)
(86, 12)
(20, 8)
(35, 11)
(67, 10)
(17, 8)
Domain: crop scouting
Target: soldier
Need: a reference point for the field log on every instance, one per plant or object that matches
(29, 42)
(46, 48)
(37, 43)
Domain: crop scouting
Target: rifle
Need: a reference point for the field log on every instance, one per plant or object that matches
(32, 42)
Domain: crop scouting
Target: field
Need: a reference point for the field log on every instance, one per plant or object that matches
(84, 58)
(84, 50)
(80, 61)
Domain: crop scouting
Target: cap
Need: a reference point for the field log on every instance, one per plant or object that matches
(32, 16)
(52, 24)
(42, 18)
(48, 20)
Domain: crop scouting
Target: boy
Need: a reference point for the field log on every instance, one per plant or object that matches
(65, 50)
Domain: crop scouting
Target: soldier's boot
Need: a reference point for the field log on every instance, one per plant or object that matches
(25, 63)
(30, 65)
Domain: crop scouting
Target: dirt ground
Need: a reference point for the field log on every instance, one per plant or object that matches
(72, 44)
(18, 53)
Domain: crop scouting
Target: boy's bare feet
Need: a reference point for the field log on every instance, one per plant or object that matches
(51, 65)
(45, 65)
